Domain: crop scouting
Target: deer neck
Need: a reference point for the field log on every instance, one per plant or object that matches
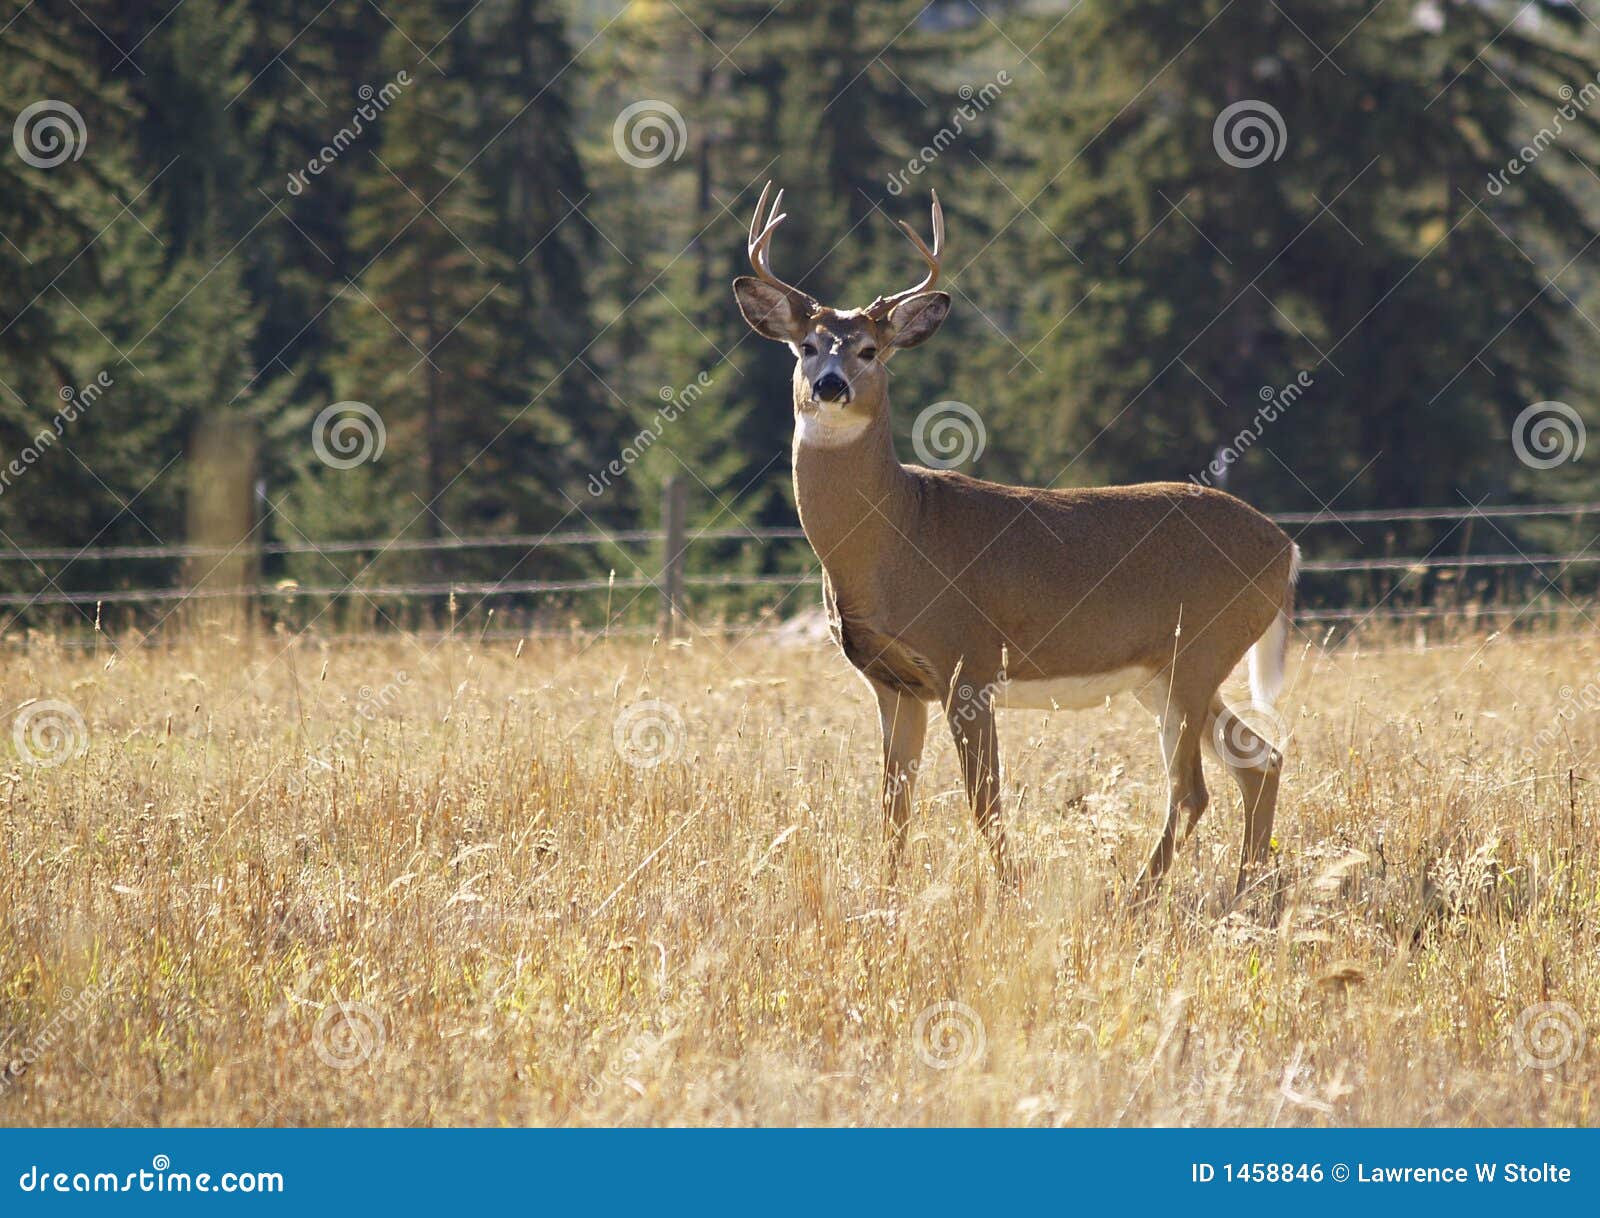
(853, 498)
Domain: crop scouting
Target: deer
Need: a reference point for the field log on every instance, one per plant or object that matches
(943, 590)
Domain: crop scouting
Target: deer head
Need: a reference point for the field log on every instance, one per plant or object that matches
(840, 383)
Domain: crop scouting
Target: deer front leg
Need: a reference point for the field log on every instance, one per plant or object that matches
(971, 716)
(1181, 734)
(905, 726)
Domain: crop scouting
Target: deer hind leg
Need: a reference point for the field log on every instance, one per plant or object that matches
(1181, 731)
(1255, 765)
(972, 723)
(905, 726)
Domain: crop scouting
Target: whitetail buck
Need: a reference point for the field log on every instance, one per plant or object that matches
(944, 589)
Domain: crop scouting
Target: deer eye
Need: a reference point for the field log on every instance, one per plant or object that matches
(809, 347)
(869, 353)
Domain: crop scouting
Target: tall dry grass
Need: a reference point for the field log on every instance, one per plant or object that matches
(412, 883)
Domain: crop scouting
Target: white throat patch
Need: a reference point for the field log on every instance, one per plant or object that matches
(829, 426)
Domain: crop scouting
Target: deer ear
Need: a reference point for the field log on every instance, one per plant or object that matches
(914, 321)
(771, 312)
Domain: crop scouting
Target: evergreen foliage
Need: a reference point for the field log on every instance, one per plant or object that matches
(437, 209)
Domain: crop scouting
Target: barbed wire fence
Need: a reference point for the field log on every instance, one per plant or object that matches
(663, 568)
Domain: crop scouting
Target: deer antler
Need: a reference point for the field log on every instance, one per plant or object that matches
(881, 307)
(761, 237)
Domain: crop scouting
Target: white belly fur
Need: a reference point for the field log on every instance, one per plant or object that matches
(1070, 693)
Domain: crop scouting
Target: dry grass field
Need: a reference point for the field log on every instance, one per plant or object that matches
(411, 883)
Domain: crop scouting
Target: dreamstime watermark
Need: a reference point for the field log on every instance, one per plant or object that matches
(157, 1178)
(1584, 698)
(369, 703)
(373, 103)
(49, 733)
(347, 434)
(948, 1035)
(49, 133)
(74, 403)
(1243, 735)
(648, 734)
(1249, 133)
(649, 133)
(643, 1050)
(1274, 403)
(1548, 434)
(963, 705)
(348, 1034)
(1547, 1035)
(973, 103)
(1215, 1069)
(948, 434)
(75, 1004)
(1548, 134)
(676, 403)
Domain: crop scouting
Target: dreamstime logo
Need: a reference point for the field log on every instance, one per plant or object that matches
(1274, 403)
(1548, 434)
(648, 1051)
(1584, 698)
(1243, 735)
(948, 434)
(347, 1034)
(1215, 1069)
(49, 733)
(48, 133)
(948, 1035)
(73, 1006)
(648, 734)
(675, 403)
(1573, 103)
(973, 103)
(1249, 133)
(373, 103)
(157, 1178)
(649, 133)
(346, 434)
(1548, 1034)
(370, 703)
(74, 402)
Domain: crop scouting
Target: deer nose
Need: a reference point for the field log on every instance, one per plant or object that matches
(830, 387)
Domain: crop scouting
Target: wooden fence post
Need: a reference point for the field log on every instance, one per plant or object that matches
(221, 510)
(674, 502)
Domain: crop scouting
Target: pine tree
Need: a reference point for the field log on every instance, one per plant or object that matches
(486, 428)
(416, 344)
(561, 414)
(127, 333)
(1205, 275)
(830, 100)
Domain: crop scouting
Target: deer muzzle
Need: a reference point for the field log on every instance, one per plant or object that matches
(831, 387)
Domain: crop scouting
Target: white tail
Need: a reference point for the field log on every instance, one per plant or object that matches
(1270, 651)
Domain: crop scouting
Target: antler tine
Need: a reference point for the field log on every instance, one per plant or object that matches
(760, 240)
(931, 257)
(759, 244)
(755, 220)
(761, 229)
(883, 304)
